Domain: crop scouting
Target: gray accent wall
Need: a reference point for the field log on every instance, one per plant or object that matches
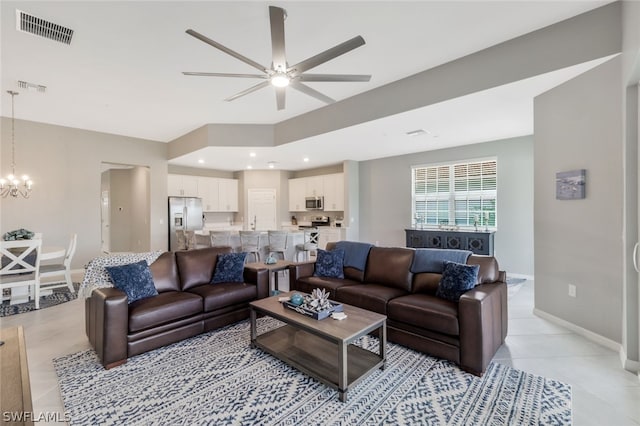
(385, 197)
(65, 165)
(578, 125)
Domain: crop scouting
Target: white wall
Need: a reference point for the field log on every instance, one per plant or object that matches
(385, 197)
(65, 166)
(578, 125)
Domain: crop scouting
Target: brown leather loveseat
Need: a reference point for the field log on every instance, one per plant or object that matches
(186, 305)
(467, 332)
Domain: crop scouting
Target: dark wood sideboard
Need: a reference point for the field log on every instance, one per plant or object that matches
(479, 242)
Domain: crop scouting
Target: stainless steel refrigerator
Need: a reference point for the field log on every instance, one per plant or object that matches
(185, 213)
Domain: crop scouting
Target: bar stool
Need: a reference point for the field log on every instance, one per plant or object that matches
(310, 243)
(220, 238)
(203, 240)
(250, 243)
(278, 242)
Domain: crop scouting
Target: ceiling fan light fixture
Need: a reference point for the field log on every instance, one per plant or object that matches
(280, 80)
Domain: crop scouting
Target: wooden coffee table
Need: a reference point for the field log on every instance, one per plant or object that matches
(322, 349)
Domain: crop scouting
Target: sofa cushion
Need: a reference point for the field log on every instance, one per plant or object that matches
(196, 267)
(308, 284)
(229, 268)
(425, 311)
(134, 279)
(389, 266)
(373, 297)
(223, 295)
(456, 280)
(426, 282)
(329, 263)
(161, 309)
(165, 273)
(489, 270)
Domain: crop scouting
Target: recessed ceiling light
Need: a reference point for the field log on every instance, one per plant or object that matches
(200, 161)
(305, 159)
(252, 154)
(417, 132)
(249, 166)
(271, 164)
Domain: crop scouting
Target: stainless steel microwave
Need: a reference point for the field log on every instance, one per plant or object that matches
(314, 203)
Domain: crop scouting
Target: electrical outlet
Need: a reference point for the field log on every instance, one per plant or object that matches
(572, 290)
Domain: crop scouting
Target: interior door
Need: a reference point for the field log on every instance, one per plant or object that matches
(262, 209)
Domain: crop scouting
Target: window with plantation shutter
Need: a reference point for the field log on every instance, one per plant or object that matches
(462, 194)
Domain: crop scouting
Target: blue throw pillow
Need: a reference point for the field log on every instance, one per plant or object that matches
(329, 264)
(457, 278)
(229, 268)
(134, 279)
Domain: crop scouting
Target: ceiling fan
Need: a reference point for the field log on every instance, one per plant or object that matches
(280, 74)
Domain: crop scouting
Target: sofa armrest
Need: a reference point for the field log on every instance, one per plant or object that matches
(300, 270)
(482, 318)
(260, 278)
(107, 320)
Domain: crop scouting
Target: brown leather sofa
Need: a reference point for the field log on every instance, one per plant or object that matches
(468, 332)
(186, 305)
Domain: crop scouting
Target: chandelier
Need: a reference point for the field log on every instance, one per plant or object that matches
(12, 185)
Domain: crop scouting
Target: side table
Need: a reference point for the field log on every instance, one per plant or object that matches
(274, 268)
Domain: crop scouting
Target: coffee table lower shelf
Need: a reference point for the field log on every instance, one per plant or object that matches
(318, 357)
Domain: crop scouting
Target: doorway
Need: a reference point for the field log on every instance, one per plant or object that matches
(262, 209)
(125, 208)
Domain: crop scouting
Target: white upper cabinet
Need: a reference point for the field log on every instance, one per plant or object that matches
(182, 185)
(228, 195)
(218, 194)
(297, 193)
(314, 186)
(208, 191)
(333, 185)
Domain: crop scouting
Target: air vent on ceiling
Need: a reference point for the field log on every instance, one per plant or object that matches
(32, 86)
(43, 28)
(417, 132)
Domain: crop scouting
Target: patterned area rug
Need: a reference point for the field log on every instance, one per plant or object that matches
(58, 296)
(216, 378)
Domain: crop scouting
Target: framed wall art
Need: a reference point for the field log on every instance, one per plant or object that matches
(570, 185)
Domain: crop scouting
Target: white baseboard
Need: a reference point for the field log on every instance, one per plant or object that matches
(596, 338)
(516, 275)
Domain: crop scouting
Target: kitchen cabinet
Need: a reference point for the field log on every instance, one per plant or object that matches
(228, 195)
(182, 185)
(297, 193)
(208, 191)
(218, 194)
(479, 242)
(314, 186)
(333, 186)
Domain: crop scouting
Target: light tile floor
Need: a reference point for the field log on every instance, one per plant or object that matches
(603, 392)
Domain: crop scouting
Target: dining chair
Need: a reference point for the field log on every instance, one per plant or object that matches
(309, 244)
(220, 238)
(20, 262)
(250, 243)
(278, 242)
(60, 270)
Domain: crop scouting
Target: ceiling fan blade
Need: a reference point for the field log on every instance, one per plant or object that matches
(334, 77)
(280, 97)
(311, 92)
(218, 74)
(226, 50)
(276, 16)
(327, 55)
(249, 90)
